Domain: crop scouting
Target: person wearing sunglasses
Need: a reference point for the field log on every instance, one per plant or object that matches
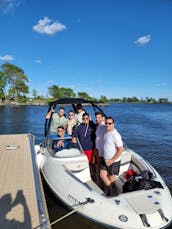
(71, 123)
(113, 148)
(85, 132)
(61, 142)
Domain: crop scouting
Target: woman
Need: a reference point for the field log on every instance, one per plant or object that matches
(71, 122)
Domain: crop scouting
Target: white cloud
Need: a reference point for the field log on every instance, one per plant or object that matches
(160, 84)
(143, 40)
(6, 58)
(50, 81)
(46, 26)
(38, 61)
(8, 6)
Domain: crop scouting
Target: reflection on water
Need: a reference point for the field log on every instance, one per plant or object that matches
(145, 128)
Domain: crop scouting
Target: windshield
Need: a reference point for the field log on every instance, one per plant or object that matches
(63, 147)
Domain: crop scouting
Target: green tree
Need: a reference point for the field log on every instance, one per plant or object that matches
(21, 87)
(83, 95)
(3, 82)
(54, 92)
(34, 93)
(16, 79)
(163, 100)
(104, 99)
(67, 92)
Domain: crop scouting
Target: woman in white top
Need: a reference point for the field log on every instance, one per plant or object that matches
(71, 122)
(79, 114)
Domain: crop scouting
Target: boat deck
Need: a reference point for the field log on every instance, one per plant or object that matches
(22, 202)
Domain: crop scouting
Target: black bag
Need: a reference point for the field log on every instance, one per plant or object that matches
(147, 184)
(130, 185)
(146, 174)
(142, 181)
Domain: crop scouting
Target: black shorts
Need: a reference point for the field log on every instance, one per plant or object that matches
(113, 169)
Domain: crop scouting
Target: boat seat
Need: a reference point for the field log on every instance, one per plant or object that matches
(139, 166)
(125, 163)
(67, 153)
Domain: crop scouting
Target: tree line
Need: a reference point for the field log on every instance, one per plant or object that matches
(13, 82)
(14, 86)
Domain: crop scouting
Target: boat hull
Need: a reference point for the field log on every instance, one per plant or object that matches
(73, 188)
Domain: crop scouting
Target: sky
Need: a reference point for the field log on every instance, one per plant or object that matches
(114, 48)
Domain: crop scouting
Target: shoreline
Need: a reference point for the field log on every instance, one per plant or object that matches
(41, 103)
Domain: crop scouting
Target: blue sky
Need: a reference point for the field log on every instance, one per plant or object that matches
(116, 48)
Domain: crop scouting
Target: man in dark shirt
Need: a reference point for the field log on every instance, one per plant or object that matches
(85, 132)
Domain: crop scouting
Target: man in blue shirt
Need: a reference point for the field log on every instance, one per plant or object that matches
(61, 143)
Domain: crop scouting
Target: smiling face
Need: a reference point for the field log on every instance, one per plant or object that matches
(109, 124)
(86, 119)
(99, 118)
(60, 132)
(61, 112)
(71, 115)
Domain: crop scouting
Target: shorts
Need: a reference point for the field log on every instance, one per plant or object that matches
(89, 154)
(113, 169)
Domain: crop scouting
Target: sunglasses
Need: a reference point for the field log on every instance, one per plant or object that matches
(109, 123)
(85, 118)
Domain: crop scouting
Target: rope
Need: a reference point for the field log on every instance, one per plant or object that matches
(89, 200)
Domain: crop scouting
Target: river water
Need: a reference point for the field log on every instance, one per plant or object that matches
(145, 128)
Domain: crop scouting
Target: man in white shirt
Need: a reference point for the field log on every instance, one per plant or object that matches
(113, 148)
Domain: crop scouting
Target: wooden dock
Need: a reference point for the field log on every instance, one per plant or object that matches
(22, 202)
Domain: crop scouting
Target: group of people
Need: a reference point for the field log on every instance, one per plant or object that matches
(101, 142)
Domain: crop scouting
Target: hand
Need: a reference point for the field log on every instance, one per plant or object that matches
(60, 144)
(109, 162)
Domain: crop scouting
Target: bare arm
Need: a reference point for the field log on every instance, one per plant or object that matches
(118, 154)
(49, 114)
(74, 140)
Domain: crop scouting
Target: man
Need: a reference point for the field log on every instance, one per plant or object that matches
(79, 114)
(113, 148)
(85, 132)
(61, 143)
(58, 119)
(100, 131)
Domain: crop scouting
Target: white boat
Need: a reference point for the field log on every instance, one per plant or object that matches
(68, 176)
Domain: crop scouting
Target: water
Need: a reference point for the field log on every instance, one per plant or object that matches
(145, 128)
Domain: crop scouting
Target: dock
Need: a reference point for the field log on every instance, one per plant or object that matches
(22, 201)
